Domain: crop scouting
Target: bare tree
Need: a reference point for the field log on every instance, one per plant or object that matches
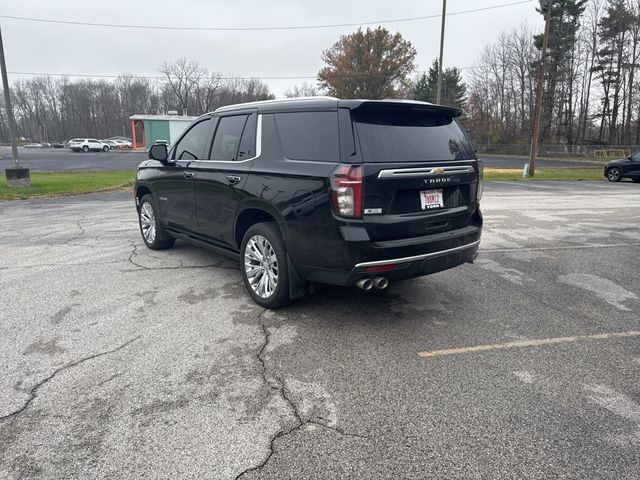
(304, 90)
(183, 76)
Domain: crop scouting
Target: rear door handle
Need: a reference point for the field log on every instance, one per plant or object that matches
(233, 179)
(188, 174)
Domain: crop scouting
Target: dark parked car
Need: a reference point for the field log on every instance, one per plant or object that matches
(305, 191)
(628, 167)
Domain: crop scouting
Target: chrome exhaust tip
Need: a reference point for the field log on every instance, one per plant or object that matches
(381, 283)
(365, 284)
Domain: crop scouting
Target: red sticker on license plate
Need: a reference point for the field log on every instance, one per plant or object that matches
(431, 199)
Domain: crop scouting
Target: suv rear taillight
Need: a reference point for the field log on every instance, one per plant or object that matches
(346, 190)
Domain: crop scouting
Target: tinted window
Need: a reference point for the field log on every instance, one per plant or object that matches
(309, 135)
(636, 156)
(191, 146)
(248, 142)
(227, 139)
(409, 135)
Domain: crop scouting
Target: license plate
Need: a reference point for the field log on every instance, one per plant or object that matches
(430, 199)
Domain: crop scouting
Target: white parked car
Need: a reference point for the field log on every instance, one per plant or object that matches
(87, 144)
(122, 144)
(111, 144)
(163, 142)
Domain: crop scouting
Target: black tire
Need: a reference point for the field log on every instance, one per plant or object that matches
(153, 233)
(636, 180)
(105, 148)
(269, 231)
(614, 174)
(85, 149)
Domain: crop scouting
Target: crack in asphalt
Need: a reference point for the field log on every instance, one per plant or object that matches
(111, 378)
(134, 253)
(78, 245)
(185, 267)
(82, 229)
(277, 385)
(74, 237)
(33, 393)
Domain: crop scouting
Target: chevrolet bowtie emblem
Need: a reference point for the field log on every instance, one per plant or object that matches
(438, 171)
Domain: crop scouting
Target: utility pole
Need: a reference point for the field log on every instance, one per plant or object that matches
(444, 13)
(538, 112)
(16, 175)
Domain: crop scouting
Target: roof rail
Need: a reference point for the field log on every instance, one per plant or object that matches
(271, 102)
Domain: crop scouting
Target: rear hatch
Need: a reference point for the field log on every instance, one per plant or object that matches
(419, 169)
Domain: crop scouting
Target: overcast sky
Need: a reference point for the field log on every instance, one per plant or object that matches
(72, 49)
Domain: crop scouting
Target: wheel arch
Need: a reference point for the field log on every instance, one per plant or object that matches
(252, 214)
(141, 191)
(258, 213)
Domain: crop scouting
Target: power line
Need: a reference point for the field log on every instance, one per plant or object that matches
(245, 29)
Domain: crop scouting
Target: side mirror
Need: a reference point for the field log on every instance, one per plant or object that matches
(159, 152)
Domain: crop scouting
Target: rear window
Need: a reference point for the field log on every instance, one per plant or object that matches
(309, 135)
(227, 139)
(409, 135)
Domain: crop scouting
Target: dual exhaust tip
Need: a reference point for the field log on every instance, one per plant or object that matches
(367, 284)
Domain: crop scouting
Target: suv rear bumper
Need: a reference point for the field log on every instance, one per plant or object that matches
(416, 258)
(403, 259)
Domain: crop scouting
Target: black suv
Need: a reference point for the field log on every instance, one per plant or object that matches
(318, 190)
(628, 167)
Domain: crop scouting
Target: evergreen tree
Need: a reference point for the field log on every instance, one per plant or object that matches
(454, 90)
(558, 99)
(615, 29)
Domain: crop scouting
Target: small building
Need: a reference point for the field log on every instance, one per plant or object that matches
(147, 129)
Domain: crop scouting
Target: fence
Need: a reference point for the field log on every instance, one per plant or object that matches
(591, 151)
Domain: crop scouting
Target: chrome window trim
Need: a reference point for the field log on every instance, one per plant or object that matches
(417, 257)
(258, 147)
(426, 171)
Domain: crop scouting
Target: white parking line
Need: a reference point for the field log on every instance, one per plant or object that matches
(568, 247)
(528, 343)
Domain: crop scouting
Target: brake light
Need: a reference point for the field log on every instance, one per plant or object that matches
(346, 190)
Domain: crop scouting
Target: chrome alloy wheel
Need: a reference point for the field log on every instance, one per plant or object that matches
(148, 222)
(614, 174)
(261, 266)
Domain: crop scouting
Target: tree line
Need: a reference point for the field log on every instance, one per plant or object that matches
(56, 109)
(591, 83)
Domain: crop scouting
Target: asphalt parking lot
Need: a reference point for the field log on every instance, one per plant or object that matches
(120, 362)
(59, 160)
(52, 160)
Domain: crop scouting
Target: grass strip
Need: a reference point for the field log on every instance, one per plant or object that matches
(515, 174)
(572, 159)
(57, 184)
